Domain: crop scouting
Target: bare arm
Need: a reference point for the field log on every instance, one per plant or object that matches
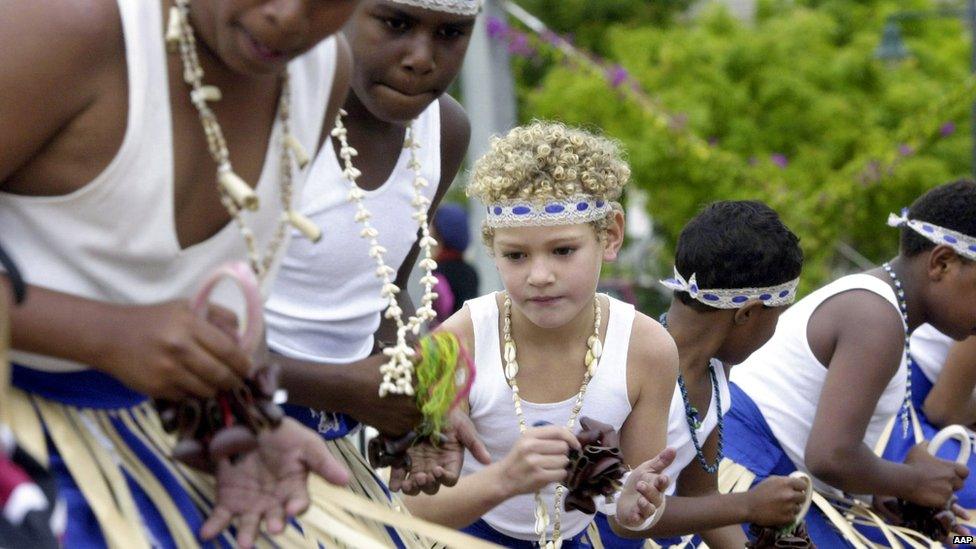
(652, 365)
(699, 508)
(952, 399)
(864, 331)
(858, 334)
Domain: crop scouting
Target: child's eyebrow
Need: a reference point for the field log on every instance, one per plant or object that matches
(390, 11)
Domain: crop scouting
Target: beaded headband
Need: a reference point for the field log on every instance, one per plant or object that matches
(733, 298)
(964, 245)
(575, 209)
(459, 7)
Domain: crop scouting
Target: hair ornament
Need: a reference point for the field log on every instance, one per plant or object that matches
(964, 245)
(733, 298)
(458, 7)
(579, 208)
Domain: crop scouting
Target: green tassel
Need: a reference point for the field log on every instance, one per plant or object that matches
(436, 382)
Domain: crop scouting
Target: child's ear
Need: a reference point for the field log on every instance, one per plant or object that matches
(614, 236)
(748, 311)
(942, 258)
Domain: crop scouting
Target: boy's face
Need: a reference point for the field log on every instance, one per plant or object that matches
(255, 37)
(551, 273)
(749, 335)
(952, 295)
(404, 57)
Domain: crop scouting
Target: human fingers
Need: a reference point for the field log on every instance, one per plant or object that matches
(274, 520)
(224, 319)
(554, 432)
(397, 476)
(660, 462)
(191, 385)
(223, 348)
(217, 522)
(467, 435)
(247, 530)
(320, 460)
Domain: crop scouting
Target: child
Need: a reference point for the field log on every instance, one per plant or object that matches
(325, 312)
(108, 185)
(943, 382)
(452, 233)
(818, 395)
(736, 271)
(553, 219)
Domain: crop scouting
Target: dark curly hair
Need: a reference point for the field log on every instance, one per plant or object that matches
(952, 206)
(737, 244)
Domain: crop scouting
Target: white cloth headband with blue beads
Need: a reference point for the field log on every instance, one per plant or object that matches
(531, 213)
(459, 7)
(733, 298)
(964, 245)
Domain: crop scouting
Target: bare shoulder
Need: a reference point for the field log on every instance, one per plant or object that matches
(340, 83)
(652, 356)
(56, 54)
(858, 319)
(64, 39)
(455, 137)
(460, 325)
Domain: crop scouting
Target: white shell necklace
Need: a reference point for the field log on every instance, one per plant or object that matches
(235, 194)
(592, 360)
(398, 371)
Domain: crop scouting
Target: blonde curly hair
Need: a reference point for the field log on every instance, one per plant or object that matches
(549, 160)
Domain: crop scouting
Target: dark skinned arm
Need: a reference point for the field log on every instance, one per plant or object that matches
(951, 400)
(858, 333)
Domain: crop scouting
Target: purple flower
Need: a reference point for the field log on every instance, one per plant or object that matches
(713, 141)
(518, 44)
(496, 27)
(617, 75)
(905, 149)
(947, 129)
(779, 159)
(551, 37)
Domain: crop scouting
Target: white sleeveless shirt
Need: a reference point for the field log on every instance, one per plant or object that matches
(325, 304)
(114, 239)
(679, 433)
(494, 416)
(785, 379)
(930, 348)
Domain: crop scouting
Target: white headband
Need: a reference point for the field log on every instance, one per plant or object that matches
(733, 298)
(578, 208)
(459, 7)
(964, 245)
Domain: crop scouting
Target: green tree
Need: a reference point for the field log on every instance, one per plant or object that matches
(795, 109)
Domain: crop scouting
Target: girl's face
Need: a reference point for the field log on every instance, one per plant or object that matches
(749, 332)
(255, 37)
(551, 273)
(404, 57)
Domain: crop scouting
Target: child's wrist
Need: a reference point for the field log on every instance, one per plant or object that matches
(500, 486)
(744, 503)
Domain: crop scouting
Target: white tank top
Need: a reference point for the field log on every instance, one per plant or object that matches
(930, 348)
(785, 379)
(679, 434)
(115, 239)
(325, 304)
(494, 416)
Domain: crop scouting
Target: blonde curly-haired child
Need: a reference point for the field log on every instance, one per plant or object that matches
(549, 349)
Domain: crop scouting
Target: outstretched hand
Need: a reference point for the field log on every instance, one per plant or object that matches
(644, 490)
(434, 466)
(270, 484)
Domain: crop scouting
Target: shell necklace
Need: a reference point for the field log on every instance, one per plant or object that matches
(235, 194)
(592, 360)
(398, 371)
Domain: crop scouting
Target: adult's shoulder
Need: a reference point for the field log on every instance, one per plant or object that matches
(55, 56)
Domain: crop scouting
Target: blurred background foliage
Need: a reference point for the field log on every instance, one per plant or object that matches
(791, 108)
